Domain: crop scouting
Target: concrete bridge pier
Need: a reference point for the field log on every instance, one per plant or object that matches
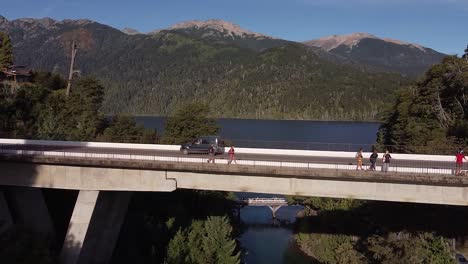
(94, 227)
(29, 210)
(6, 222)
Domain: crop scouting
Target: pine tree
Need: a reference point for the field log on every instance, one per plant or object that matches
(177, 250)
(195, 238)
(6, 51)
(218, 244)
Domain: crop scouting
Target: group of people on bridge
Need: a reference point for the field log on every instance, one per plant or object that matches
(373, 160)
(231, 154)
(386, 158)
(459, 157)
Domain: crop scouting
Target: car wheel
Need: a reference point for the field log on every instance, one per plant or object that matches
(185, 151)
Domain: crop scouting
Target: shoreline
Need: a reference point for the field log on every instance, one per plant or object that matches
(270, 119)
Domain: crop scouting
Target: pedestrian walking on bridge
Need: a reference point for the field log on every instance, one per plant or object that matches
(373, 159)
(211, 153)
(232, 156)
(459, 161)
(386, 161)
(359, 159)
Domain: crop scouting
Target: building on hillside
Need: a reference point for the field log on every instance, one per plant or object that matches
(16, 74)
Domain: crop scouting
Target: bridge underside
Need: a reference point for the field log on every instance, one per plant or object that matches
(121, 175)
(105, 187)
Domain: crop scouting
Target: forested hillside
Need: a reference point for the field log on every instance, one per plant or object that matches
(432, 114)
(155, 74)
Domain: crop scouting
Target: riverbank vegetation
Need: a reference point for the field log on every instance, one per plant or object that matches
(349, 231)
(180, 227)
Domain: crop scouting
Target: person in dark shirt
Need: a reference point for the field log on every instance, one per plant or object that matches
(211, 153)
(373, 159)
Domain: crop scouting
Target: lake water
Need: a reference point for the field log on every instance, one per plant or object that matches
(292, 134)
(265, 241)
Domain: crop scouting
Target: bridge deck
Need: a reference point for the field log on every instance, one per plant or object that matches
(313, 162)
(266, 171)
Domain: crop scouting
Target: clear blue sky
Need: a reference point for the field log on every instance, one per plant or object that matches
(438, 24)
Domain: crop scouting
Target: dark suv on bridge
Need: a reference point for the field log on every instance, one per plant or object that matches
(202, 145)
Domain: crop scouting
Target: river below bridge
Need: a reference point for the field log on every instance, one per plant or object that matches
(265, 240)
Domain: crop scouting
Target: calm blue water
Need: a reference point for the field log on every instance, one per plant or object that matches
(265, 241)
(293, 134)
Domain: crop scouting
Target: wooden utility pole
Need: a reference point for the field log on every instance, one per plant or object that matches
(70, 74)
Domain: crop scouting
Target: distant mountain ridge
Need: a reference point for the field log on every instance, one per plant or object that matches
(153, 74)
(224, 32)
(351, 40)
(228, 28)
(383, 54)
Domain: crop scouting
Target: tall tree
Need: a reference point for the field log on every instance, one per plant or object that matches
(6, 50)
(207, 242)
(218, 244)
(190, 121)
(177, 250)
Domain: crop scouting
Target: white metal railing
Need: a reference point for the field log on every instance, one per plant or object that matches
(273, 200)
(423, 167)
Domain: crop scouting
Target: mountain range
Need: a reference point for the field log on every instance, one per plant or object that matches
(238, 72)
(380, 53)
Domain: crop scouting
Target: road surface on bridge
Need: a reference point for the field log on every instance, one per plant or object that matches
(239, 156)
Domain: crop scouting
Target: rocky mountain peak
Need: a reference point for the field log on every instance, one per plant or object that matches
(228, 28)
(330, 42)
(130, 31)
(78, 22)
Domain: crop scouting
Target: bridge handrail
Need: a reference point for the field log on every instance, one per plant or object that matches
(291, 152)
(274, 144)
(419, 166)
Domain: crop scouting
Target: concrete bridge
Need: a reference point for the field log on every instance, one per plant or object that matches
(106, 173)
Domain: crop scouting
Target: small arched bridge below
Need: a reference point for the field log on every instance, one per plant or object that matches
(274, 203)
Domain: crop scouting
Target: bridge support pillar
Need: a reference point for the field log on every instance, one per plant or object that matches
(6, 222)
(29, 210)
(94, 227)
(273, 209)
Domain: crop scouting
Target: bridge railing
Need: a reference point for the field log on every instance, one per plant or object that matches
(263, 199)
(265, 144)
(396, 165)
(266, 201)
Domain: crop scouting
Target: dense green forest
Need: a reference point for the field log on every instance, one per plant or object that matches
(156, 74)
(431, 115)
(287, 82)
